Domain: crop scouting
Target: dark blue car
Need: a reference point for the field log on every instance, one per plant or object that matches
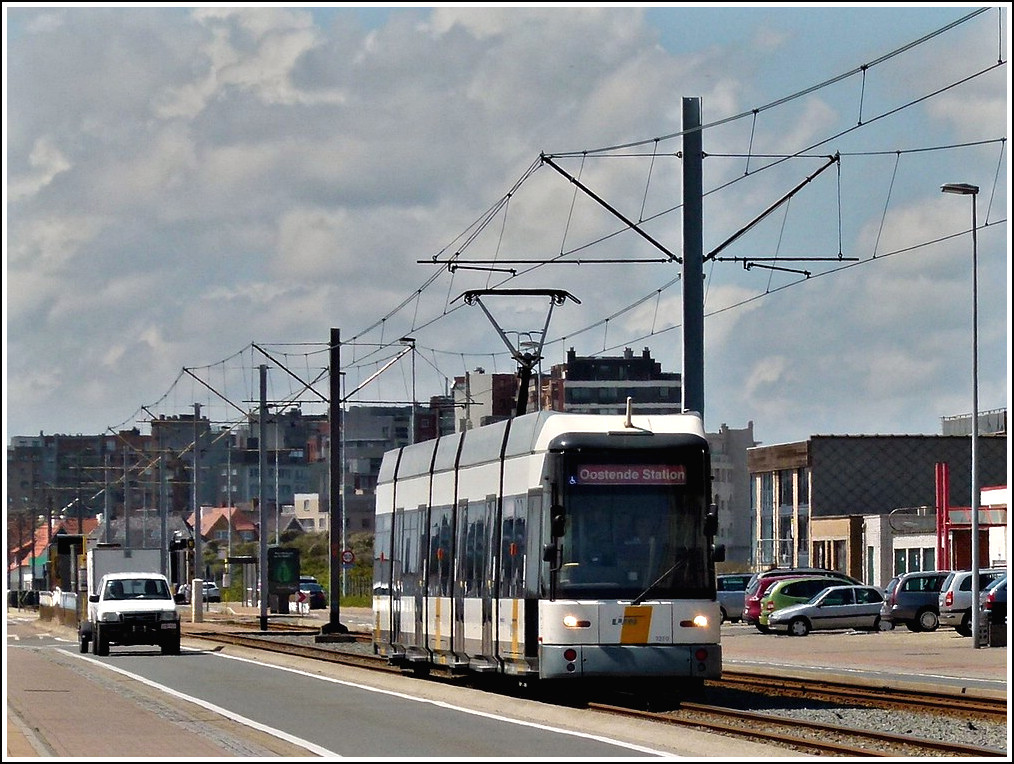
(315, 595)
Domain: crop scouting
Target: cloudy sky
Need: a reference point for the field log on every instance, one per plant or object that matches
(192, 192)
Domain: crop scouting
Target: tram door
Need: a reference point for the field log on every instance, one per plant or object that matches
(397, 534)
(487, 591)
(473, 616)
(460, 583)
(409, 592)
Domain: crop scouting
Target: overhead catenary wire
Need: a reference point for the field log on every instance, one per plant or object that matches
(470, 235)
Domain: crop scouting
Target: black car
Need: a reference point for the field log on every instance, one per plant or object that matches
(316, 597)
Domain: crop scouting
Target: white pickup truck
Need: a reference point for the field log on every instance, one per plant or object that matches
(131, 608)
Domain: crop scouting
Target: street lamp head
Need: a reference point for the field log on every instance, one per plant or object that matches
(959, 188)
(409, 340)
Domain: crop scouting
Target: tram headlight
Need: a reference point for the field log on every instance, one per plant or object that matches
(699, 622)
(573, 622)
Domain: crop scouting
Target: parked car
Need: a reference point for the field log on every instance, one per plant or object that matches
(731, 589)
(210, 590)
(315, 595)
(913, 599)
(791, 591)
(955, 599)
(760, 582)
(994, 600)
(834, 607)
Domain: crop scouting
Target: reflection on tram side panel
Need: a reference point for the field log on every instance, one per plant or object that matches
(560, 549)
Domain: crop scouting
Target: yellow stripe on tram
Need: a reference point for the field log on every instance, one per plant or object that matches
(636, 625)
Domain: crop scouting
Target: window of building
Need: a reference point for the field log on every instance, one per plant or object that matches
(803, 487)
(766, 550)
(900, 562)
(914, 559)
(785, 487)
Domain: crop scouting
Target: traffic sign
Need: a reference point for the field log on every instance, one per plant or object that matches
(301, 597)
(348, 557)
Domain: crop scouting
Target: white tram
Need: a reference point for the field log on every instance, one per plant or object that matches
(552, 546)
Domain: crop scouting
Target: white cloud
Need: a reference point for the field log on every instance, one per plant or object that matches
(46, 163)
(185, 182)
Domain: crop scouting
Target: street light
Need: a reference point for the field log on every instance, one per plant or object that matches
(967, 189)
(411, 342)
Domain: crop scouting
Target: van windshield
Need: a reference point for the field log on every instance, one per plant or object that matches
(137, 588)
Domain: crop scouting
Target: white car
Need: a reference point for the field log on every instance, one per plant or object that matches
(210, 593)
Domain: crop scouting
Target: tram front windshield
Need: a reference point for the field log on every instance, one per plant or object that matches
(622, 538)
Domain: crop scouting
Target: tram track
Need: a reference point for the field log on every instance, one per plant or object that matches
(810, 737)
(820, 739)
(948, 704)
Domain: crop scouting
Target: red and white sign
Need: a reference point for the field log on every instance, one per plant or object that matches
(301, 597)
(631, 474)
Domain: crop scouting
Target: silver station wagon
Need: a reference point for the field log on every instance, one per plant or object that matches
(836, 607)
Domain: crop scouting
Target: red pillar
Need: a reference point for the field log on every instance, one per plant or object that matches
(943, 516)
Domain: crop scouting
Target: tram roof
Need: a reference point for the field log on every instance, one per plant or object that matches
(529, 433)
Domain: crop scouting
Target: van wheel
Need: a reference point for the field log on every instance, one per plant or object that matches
(926, 620)
(725, 616)
(101, 642)
(171, 646)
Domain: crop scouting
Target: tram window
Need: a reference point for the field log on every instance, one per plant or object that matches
(440, 552)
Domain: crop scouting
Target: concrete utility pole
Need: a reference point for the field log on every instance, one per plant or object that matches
(967, 189)
(335, 492)
(163, 503)
(262, 466)
(196, 498)
(107, 510)
(693, 258)
(49, 537)
(126, 501)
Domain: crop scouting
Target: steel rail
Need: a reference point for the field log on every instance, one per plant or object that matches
(827, 739)
(950, 704)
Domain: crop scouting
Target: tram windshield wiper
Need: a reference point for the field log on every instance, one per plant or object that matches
(644, 595)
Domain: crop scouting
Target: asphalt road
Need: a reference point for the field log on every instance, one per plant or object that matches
(225, 702)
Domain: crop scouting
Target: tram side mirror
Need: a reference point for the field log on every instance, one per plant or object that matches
(710, 524)
(558, 524)
(718, 555)
(549, 552)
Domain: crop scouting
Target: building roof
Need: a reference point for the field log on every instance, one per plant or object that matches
(212, 517)
(21, 553)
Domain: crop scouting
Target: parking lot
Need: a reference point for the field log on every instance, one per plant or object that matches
(942, 656)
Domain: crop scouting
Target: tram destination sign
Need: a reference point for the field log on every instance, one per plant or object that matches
(630, 474)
